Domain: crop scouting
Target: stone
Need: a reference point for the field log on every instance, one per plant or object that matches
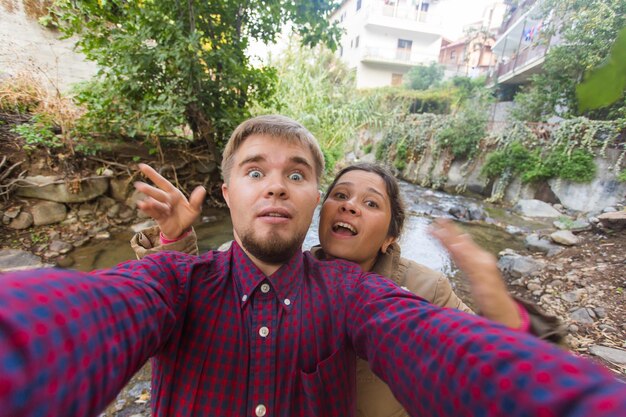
(102, 235)
(572, 296)
(138, 389)
(513, 230)
(572, 225)
(120, 187)
(573, 328)
(370, 158)
(534, 243)
(13, 212)
(48, 212)
(55, 189)
(108, 172)
(105, 203)
(65, 261)
(608, 353)
(607, 328)
(134, 197)
(60, 247)
(533, 286)
(615, 220)
(556, 283)
(609, 209)
(126, 214)
(15, 259)
(136, 228)
(458, 212)
(114, 210)
(564, 237)
(519, 266)
(582, 315)
(600, 312)
(81, 241)
(23, 220)
(476, 213)
(536, 208)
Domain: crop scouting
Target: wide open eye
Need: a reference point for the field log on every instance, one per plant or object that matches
(255, 173)
(296, 176)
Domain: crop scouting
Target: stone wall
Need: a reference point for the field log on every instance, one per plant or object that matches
(27, 46)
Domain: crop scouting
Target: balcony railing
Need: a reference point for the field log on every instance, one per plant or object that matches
(520, 60)
(399, 11)
(399, 56)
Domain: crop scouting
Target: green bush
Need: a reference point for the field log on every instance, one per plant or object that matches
(38, 133)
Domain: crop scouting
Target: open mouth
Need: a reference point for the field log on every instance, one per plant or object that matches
(345, 229)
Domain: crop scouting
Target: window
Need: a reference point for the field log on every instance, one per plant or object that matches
(358, 5)
(356, 42)
(425, 7)
(404, 44)
(452, 55)
(396, 79)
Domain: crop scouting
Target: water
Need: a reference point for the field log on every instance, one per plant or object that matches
(417, 244)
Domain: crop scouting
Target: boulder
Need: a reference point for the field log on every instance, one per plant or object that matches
(614, 220)
(48, 212)
(582, 315)
(536, 208)
(60, 247)
(55, 189)
(134, 197)
(572, 225)
(518, 266)
(537, 244)
(120, 188)
(564, 237)
(24, 220)
(608, 353)
(14, 259)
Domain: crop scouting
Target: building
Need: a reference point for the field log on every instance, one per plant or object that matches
(472, 56)
(520, 47)
(383, 39)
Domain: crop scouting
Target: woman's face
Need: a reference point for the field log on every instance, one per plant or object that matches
(354, 221)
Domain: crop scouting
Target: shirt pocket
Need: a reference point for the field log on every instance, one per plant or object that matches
(329, 391)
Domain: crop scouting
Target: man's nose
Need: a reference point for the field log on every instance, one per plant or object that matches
(276, 188)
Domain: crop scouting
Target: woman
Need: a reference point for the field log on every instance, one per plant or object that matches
(361, 219)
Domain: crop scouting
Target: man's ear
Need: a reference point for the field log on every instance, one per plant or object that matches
(388, 241)
(225, 194)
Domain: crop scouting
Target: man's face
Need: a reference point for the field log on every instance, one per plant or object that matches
(272, 193)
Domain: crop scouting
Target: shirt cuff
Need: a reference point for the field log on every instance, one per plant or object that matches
(524, 317)
(166, 241)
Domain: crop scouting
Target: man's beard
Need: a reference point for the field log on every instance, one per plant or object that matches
(272, 249)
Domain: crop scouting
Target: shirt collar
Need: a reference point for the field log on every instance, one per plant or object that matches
(286, 281)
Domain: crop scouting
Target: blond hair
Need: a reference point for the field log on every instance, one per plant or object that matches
(275, 126)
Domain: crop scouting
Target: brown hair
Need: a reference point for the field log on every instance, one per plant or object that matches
(398, 213)
(275, 126)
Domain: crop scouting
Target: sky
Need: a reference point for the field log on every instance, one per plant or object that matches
(459, 13)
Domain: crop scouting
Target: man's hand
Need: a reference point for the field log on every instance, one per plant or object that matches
(481, 268)
(167, 205)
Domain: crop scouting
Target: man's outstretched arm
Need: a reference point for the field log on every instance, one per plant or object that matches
(447, 363)
(69, 341)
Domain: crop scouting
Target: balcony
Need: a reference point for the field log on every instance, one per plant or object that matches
(402, 16)
(396, 57)
(521, 66)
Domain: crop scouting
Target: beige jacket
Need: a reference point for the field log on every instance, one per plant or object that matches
(374, 398)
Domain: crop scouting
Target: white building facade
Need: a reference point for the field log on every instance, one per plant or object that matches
(384, 39)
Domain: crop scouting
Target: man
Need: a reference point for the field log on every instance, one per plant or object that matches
(264, 329)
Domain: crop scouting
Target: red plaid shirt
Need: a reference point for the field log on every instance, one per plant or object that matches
(228, 341)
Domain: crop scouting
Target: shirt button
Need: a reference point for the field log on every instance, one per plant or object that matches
(244, 298)
(264, 331)
(265, 288)
(260, 410)
(287, 301)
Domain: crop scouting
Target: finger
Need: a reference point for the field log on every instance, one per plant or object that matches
(154, 208)
(197, 198)
(153, 192)
(156, 178)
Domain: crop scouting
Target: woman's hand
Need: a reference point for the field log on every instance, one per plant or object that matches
(480, 267)
(167, 205)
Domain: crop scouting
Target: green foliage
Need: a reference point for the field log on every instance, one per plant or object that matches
(606, 84)
(436, 101)
(317, 89)
(368, 148)
(39, 132)
(586, 31)
(423, 77)
(621, 177)
(567, 152)
(165, 64)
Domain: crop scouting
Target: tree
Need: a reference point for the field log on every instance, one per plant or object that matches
(586, 30)
(423, 77)
(169, 64)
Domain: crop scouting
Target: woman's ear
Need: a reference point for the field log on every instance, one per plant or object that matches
(388, 241)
